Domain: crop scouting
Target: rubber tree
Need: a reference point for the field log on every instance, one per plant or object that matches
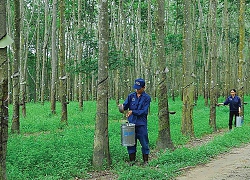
(15, 127)
(213, 61)
(188, 88)
(164, 137)
(101, 154)
(62, 72)
(3, 93)
(241, 77)
(54, 60)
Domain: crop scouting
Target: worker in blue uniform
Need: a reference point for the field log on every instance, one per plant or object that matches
(137, 104)
(234, 103)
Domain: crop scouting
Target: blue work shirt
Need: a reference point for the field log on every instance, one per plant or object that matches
(234, 103)
(139, 106)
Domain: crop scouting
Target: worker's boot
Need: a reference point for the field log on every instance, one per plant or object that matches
(132, 159)
(145, 159)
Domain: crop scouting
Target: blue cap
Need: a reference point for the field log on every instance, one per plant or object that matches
(139, 83)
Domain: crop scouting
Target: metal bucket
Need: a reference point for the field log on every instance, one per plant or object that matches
(128, 134)
(239, 121)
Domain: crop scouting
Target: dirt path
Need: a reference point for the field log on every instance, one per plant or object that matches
(234, 165)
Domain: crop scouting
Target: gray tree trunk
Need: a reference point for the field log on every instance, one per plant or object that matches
(79, 56)
(15, 127)
(213, 60)
(204, 56)
(38, 59)
(9, 19)
(54, 61)
(241, 74)
(225, 51)
(187, 126)
(3, 103)
(3, 94)
(101, 154)
(45, 48)
(23, 61)
(164, 137)
(149, 59)
(62, 72)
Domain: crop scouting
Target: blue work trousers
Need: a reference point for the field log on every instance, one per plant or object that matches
(232, 115)
(141, 133)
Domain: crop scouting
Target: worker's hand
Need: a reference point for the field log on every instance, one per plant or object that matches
(129, 113)
(219, 104)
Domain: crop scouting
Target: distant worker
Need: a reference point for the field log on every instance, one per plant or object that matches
(138, 104)
(234, 102)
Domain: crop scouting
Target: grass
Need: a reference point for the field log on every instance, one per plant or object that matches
(45, 151)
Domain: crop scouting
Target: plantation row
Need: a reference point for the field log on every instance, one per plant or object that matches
(46, 151)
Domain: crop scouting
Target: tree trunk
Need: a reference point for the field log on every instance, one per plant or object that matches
(62, 73)
(148, 65)
(241, 76)
(172, 65)
(139, 58)
(3, 93)
(79, 55)
(80, 88)
(187, 126)
(54, 60)
(15, 127)
(226, 48)
(4, 100)
(164, 137)
(213, 60)
(23, 62)
(45, 47)
(101, 154)
(204, 74)
(9, 19)
(38, 60)
(247, 65)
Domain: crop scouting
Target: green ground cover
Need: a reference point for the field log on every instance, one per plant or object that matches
(45, 151)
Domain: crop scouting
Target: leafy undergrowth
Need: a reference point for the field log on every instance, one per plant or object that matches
(44, 150)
